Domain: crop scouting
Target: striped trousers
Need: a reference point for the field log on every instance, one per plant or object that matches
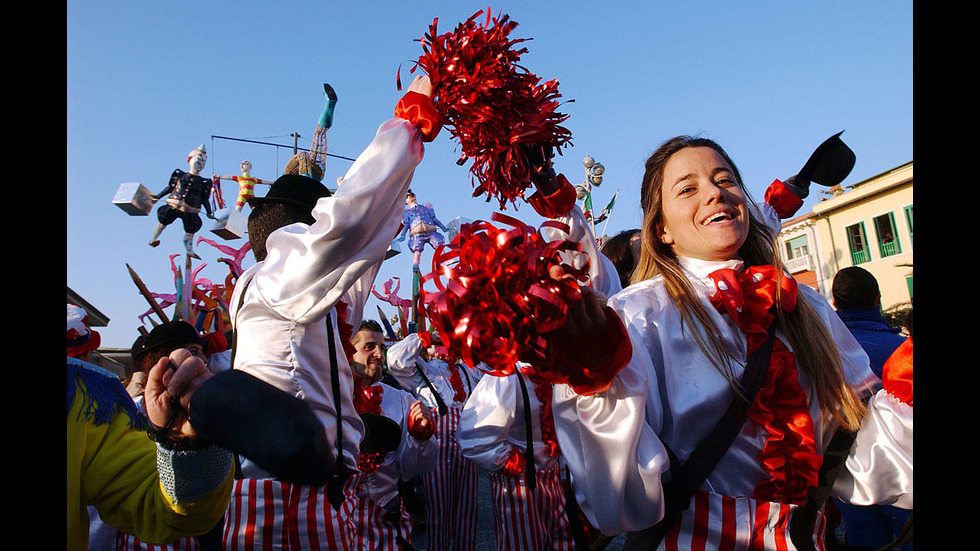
(530, 521)
(713, 521)
(450, 492)
(375, 529)
(126, 542)
(269, 514)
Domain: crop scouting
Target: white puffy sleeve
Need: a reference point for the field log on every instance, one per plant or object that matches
(608, 441)
(405, 361)
(414, 456)
(879, 468)
(486, 421)
(309, 268)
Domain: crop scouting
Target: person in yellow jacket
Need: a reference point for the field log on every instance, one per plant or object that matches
(158, 491)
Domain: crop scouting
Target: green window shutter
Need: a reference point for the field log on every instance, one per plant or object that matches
(887, 234)
(908, 220)
(857, 241)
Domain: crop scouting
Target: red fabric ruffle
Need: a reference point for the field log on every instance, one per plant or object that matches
(368, 463)
(367, 399)
(748, 295)
(789, 454)
(346, 330)
(544, 391)
(514, 464)
(457, 383)
(896, 376)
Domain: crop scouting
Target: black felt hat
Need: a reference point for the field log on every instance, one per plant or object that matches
(829, 164)
(293, 189)
(381, 434)
(171, 333)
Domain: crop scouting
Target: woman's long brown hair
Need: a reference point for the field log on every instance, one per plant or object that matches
(816, 352)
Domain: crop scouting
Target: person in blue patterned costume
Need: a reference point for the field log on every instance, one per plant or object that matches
(420, 222)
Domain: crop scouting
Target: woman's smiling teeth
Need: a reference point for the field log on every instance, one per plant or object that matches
(717, 217)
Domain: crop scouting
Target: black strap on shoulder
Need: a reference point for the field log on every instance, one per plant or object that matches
(231, 365)
(575, 521)
(439, 402)
(685, 480)
(465, 375)
(530, 473)
(335, 487)
(234, 326)
(801, 523)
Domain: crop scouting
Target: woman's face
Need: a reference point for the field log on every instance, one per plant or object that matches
(705, 214)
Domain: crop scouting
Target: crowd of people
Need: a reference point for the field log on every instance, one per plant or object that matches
(702, 396)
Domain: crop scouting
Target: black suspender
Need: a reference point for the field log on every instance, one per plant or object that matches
(439, 401)
(336, 484)
(530, 474)
(335, 487)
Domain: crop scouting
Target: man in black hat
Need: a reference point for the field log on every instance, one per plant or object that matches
(294, 311)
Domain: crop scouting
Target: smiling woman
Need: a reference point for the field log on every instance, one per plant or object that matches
(735, 370)
(704, 210)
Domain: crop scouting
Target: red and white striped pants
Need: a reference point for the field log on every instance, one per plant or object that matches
(269, 514)
(126, 542)
(373, 531)
(450, 492)
(530, 521)
(726, 523)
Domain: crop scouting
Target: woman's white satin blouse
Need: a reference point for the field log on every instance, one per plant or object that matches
(670, 393)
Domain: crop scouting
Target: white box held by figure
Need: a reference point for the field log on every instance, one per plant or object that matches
(231, 224)
(454, 226)
(134, 198)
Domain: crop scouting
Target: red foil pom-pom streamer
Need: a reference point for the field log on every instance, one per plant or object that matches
(495, 299)
(494, 107)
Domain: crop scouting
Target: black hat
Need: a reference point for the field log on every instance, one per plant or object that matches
(172, 333)
(381, 434)
(829, 164)
(293, 189)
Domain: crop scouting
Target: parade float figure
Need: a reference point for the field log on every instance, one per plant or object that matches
(389, 294)
(246, 184)
(420, 222)
(312, 163)
(186, 193)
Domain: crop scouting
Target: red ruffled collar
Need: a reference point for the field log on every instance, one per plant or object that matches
(789, 454)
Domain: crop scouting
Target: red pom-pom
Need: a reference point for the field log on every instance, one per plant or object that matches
(495, 298)
(495, 108)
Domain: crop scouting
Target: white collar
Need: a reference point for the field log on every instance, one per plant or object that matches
(701, 268)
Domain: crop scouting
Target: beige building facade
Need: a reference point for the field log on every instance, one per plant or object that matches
(868, 224)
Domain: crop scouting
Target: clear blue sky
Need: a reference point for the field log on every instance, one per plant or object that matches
(149, 81)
